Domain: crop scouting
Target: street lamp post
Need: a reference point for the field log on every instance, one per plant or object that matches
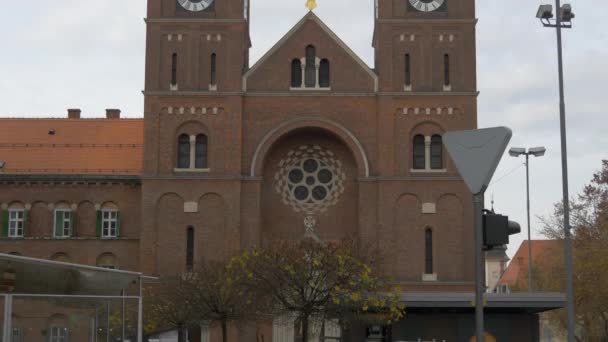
(562, 20)
(536, 152)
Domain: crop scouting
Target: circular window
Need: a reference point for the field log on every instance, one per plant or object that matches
(310, 179)
(311, 165)
(296, 176)
(325, 176)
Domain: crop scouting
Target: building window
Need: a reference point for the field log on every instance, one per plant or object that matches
(296, 73)
(428, 251)
(324, 73)
(16, 223)
(213, 69)
(193, 153)
(109, 223)
(419, 152)
(107, 260)
(174, 71)
(311, 67)
(59, 334)
(447, 85)
(408, 73)
(63, 223)
(190, 248)
(17, 335)
(436, 152)
(314, 74)
(428, 153)
(201, 152)
(183, 152)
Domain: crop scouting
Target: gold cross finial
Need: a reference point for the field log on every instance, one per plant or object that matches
(311, 4)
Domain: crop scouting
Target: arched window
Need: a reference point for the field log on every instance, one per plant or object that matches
(311, 67)
(174, 69)
(107, 260)
(200, 161)
(419, 152)
(213, 69)
(446, 70)
(183, 152)
(428, 251)
(324, 73)
(296, 73)
(436, 152)
(61, 257)
(58, 329)
(408, 70)
(190, 248)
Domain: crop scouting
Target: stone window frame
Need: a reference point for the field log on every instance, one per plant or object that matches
(317, 66)
(192, 165)
(427, 155)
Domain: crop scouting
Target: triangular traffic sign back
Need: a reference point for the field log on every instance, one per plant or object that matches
(476, 154)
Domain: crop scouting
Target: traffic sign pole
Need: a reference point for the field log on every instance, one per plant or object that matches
(476, 154)
(479, 266)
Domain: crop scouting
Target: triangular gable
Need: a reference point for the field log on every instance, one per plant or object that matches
(328, 31)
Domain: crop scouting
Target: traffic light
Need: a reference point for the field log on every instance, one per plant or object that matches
(496, 229)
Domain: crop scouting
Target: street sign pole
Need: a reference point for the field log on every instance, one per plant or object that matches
(476, 154)
(479, 267)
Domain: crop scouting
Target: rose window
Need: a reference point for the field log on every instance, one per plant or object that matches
(310, 179)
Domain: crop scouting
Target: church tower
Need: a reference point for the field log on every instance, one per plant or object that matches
(196, 54)
(425, 45)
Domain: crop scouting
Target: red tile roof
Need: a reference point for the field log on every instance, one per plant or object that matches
(516, 274)
(71, 146)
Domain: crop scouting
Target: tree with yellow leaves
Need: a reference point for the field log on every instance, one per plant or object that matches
(318, 281)
(589, 221)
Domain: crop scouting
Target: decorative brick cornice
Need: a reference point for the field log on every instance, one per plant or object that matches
(49, 179)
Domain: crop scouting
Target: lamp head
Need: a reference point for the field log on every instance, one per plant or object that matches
(566, 13)
(517, 151)
(545, 12)
(537, 151)
(2, 163)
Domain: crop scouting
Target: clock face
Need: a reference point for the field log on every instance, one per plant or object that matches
(195, 5)
(426, 5)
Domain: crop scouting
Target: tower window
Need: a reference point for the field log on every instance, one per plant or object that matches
(192, 152)
(324, 73)
(296, 73)
(428, 251)
(436, 152)
(446, 71)
(174, 69)
(183, 152)
(311, 67)
(190, 248)
(408, 71)
(201, 152)
(213, 69)
(419, 152)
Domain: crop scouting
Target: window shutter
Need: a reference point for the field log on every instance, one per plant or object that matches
(98, 224)
(73, 223)
(118, 224)
(5, 223)
(58, 223)
(26, 223)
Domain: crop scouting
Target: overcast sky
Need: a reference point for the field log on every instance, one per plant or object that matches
(60, 54)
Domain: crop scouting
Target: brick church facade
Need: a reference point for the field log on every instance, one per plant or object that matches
(308, 140)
